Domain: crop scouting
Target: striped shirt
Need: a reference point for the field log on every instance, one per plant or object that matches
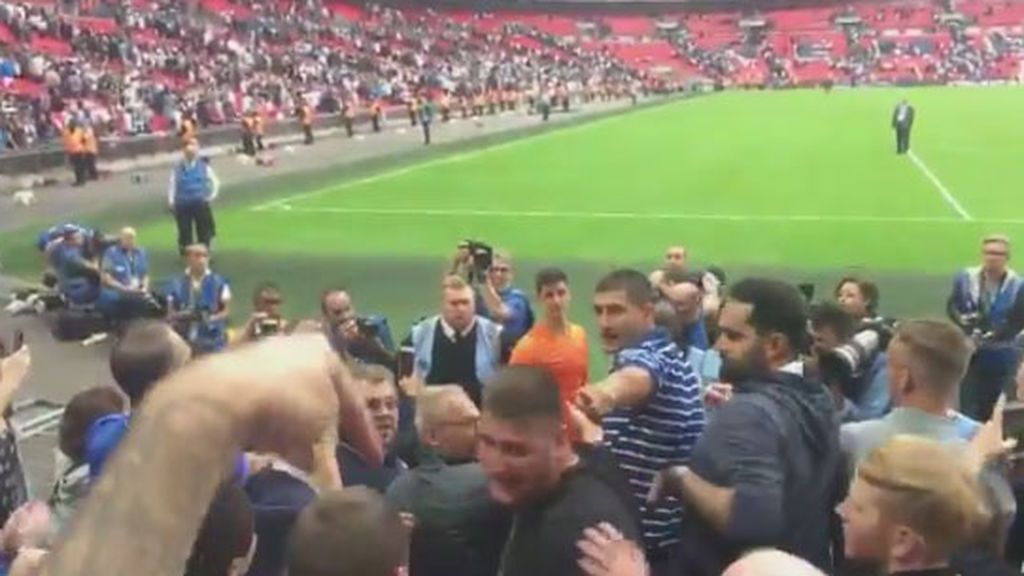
(660, 434)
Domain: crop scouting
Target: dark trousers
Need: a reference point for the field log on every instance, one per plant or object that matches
(902, 140)
(307, 129)
(981, 388)
(426, 133)
(248, 145)
(78, 166)
(198, 216)
(412, 118)
(259, 142)
(348, 127)
(376, 122)
(91, 173)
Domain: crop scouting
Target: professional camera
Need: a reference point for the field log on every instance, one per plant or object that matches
(482, 256)
(267, 326)
(846, 364)
(366, 327)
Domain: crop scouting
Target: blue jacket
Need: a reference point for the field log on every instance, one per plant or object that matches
(128, 268)
(73, 281)
(206, 336)
(874, 400)
(520, 314)
(966, 299)
(192, 183)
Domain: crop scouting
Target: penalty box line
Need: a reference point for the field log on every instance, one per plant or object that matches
(571, 214)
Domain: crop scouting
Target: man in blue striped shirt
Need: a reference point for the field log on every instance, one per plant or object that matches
(649, 405)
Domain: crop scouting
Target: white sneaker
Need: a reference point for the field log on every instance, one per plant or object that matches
(95, 339)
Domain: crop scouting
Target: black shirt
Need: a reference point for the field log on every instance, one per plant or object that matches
(544, 535)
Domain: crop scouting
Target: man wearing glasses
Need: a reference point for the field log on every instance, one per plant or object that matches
(987, 304)
(459, 528)
(499, 301)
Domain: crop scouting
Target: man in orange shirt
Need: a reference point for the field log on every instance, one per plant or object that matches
(554, 343)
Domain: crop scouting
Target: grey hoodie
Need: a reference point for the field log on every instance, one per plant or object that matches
(776, 443)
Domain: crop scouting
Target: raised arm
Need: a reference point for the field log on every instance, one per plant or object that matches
(276, 396)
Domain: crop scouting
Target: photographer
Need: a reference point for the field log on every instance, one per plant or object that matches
(365, 339)
(851, 360)
(199, 303)
(73, 259)
(987, 304)
(858, 297)
(125, 276)
(490, 273)
(266, 319)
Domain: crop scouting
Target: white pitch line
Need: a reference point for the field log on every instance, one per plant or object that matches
(946, 194)
(626, 215)
(516, 141)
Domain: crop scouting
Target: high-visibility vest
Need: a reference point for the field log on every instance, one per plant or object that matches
(306, 115)
(72, 138)
(247, 125)
(257, 124)
(188, 129)
(89, 143)
(350, 110)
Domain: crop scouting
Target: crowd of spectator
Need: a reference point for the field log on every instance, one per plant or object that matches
(161, 63)
(742, 427)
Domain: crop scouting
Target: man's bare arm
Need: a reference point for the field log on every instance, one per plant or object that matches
(153, 496)
(277, 396)
(628, 387)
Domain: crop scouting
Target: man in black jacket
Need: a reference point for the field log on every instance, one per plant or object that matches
(902, 122)
(532, 468)
(765, 471)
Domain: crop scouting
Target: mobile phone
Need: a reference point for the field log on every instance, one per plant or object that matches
(1013, 424)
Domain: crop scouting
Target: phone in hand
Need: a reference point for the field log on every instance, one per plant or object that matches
(1013, 425)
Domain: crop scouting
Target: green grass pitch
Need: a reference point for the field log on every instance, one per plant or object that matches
(801, 184)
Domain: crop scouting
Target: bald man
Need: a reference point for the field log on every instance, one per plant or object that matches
(125, 277)
(770, 562)
(676, 258)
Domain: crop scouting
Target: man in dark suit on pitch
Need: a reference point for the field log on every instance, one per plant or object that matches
(902, 122)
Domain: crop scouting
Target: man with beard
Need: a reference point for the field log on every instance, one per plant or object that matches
(764, 472)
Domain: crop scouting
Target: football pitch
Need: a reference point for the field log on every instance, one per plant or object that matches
(800, 184)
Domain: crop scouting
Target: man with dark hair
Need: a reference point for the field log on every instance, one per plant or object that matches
(765, 470)
(147, 352)
(225, 542)
(81, 412)
(649, 405)
(350, 532)
(366, 339)
(532, 468)
(865, 393)
(555, 343)
(377, 389)
(200, 303)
